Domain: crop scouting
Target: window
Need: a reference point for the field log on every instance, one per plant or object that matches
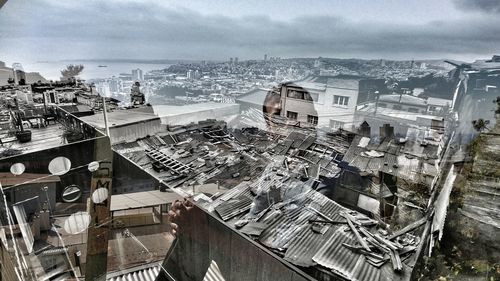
(413, 110)
(312, 119)
(340, 100)
(295, 94)
(397, 107)
(334, 124)
(292, 115)
(311, 96)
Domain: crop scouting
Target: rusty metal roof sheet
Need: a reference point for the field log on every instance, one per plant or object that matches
(305, 245)
(335, 256)
(233, 207)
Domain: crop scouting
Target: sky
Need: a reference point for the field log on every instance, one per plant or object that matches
(47, 30)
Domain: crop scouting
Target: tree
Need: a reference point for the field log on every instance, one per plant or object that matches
(497, 111)
(72, 70)
(480, 124)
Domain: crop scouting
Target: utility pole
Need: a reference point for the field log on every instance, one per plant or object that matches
(105, 116)
(99, 228)
(376, 102)
(381, 187)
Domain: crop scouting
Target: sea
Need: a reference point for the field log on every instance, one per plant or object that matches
(51, 70)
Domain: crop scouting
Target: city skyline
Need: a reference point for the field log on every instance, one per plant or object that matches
(456, 29)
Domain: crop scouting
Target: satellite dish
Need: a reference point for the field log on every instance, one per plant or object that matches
(59, 166)
(71, 193)
(77, 223)
(100, 195)
(93, 166)
(17, 169)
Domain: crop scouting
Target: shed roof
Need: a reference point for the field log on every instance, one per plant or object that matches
(147, 272)
(142, 199)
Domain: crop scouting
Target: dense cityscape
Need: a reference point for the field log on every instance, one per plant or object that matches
(216, 81)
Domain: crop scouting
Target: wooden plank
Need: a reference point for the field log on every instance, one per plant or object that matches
(396, 261)
(385, 242)
(360, 239)
(408, 228)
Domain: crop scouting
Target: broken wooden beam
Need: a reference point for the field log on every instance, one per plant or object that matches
(396, 261)
(361, 241)
(407, 228)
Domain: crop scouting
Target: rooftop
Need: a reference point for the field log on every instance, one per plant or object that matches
(404, 99)
(255, 97)
(197, 108)
(119, 118)
(142, 199)
(394, 113)
(311, 231)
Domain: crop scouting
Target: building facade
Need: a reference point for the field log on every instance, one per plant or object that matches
(329, 106)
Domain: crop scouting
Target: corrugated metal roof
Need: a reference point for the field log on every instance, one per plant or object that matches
(337, 257)
(365, 271)
(305, 245)
(233, 207)
(142, 199)
(213, 273)
(289, 229)
(285, 227)
(142, 273)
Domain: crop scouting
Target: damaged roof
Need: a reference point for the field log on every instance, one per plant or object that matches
(310, 230)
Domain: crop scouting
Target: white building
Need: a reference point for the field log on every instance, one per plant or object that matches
(137, 75)
(329, 106)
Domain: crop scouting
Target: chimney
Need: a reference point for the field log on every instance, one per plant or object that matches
(365, 129)
(386, 131)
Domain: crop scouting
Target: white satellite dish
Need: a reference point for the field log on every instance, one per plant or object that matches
(59, 166)
(17, 169)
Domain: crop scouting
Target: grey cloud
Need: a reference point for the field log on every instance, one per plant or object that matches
(487, 6)
(121, 30)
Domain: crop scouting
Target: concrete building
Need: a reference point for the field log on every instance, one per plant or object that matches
(127, 125)
(115, 85)
(137, 75)
(403, 103)
(478, 84)
(172, 115)
(330, 106)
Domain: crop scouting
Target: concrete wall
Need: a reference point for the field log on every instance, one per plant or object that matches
(28, 191)
(403, 107)
(194, 116)
(203, 238)
(132, 132)
(128, 177)
(79, 153)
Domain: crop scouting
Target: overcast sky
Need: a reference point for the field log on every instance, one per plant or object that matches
(36, 30)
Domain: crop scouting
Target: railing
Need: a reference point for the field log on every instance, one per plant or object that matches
(71, 123)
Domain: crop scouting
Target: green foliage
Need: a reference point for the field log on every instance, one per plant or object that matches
(72, 70)
(480, 125)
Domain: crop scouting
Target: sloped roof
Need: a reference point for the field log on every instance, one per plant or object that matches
(254, 97)
(288, 228)
(148, 272)
(405, 99)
